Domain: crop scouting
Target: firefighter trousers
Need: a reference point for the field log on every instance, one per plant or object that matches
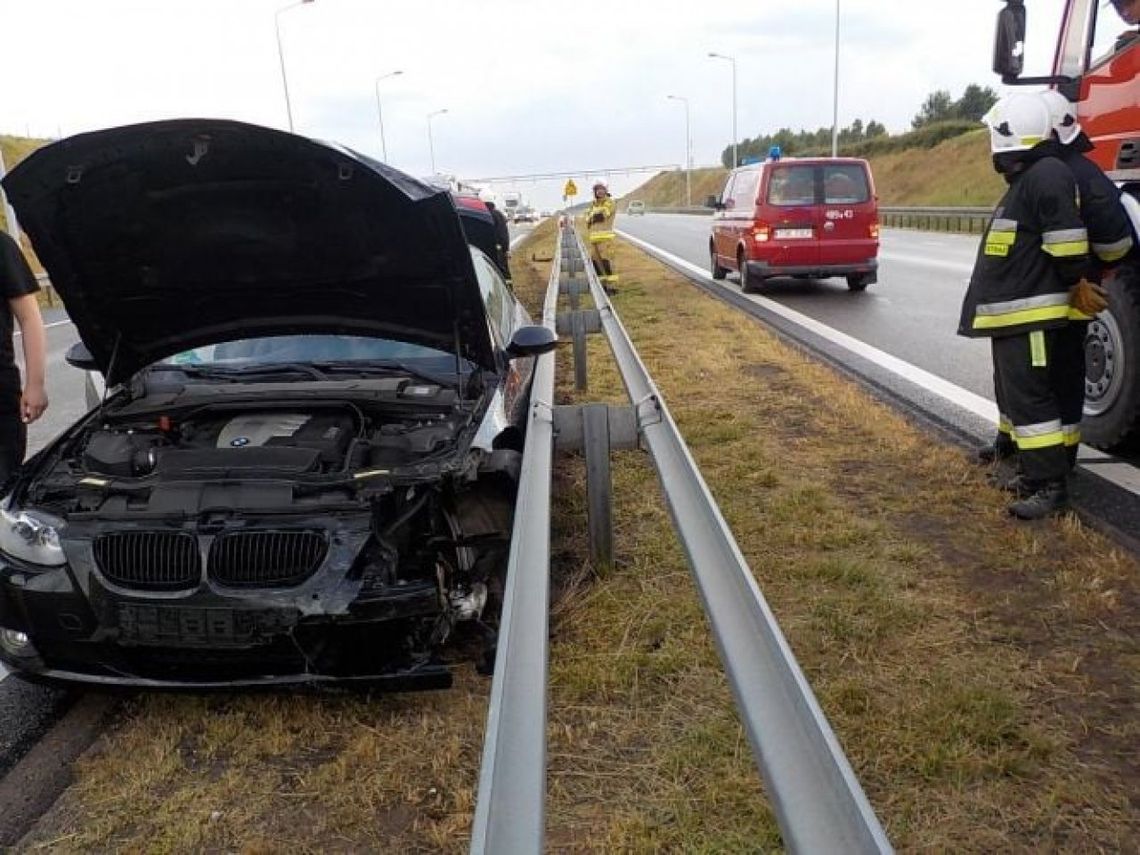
(602, 254)
(1039, 383)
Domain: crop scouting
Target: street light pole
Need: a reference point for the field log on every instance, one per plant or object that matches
(431, 145)
(688, 151)
(835, 90)
(281, 56)
(731, 59)
(380, 113)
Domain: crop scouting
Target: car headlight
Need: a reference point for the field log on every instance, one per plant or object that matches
(26, 537)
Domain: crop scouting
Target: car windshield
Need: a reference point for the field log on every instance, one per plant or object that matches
(293, 349)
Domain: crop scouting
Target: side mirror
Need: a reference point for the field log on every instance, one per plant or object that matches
(713, 202)
(531, 341)
(1009, 41)
(80, 357)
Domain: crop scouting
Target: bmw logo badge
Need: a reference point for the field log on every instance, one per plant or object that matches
(239, 441)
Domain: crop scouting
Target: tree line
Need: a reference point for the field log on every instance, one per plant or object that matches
(938, 107)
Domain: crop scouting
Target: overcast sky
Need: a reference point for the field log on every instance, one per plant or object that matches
(529, 87)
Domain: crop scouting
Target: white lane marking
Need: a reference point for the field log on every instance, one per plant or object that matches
(3, 673)
(1118, 472)
(920, 261)
(963, 398)
(516, 240)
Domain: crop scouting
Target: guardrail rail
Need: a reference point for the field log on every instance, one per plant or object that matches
(818, 802)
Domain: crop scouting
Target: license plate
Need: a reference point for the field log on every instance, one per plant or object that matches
(199, 627)
(793, 234)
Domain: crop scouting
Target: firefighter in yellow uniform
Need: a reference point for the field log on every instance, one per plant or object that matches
(600, 230)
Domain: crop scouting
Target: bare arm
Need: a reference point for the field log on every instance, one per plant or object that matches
(34, 399)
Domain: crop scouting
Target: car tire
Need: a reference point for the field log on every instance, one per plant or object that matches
(1112, 366)
(858, 282)
(748, 282)
(718, 272)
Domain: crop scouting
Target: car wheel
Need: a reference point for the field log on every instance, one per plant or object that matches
(1112, 365)
(858, 282)
(748, 283)
(718, 272)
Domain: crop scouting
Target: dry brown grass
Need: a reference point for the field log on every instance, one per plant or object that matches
(982, 676)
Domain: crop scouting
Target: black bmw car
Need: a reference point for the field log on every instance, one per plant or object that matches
(304, 468)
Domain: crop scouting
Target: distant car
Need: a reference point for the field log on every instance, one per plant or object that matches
(808, 218)
(635, 208)
(304, 470)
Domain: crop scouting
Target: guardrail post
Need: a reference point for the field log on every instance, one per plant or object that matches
(599, 482)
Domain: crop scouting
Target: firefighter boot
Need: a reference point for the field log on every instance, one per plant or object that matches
(1050, 497)
(606, 283)
(597, 266)
(1002, 448)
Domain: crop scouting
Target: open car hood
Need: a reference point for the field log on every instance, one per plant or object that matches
(169, 235)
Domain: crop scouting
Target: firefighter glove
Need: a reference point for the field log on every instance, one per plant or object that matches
(1088, 298)
(596, 218)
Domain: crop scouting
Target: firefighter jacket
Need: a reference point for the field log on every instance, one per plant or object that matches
(1035, 248)
(603, 230)
(1110, 230)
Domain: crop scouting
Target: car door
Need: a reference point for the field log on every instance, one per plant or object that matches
(849, 218)
(722, 239)
(505, 315)
(790, 209)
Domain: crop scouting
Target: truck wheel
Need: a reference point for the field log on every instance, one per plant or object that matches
(858, 282)
(718, 272)
(1112, 365)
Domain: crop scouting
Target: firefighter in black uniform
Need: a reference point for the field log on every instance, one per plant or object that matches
(1029, 281)
(1110, 241)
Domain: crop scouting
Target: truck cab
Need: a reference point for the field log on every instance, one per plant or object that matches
(1096, 64)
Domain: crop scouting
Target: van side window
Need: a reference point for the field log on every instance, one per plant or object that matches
(792, 185)
(726, 194)
(744, 191)
(845, 184)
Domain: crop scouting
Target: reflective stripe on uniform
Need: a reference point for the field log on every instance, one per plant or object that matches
(599, 236)
(1063, 243)
(1000, 237)
(1113, 251)
(1038, 358)
(1040, 435)
(1076, 314)
(1072, 434)
(1004, 424)
(1027, 310)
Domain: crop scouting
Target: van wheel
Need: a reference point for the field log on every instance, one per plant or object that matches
(1112, 364)
(718, 272)
(748, 283)
(858, 282)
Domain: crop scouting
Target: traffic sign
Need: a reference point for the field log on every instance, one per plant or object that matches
(571, 189)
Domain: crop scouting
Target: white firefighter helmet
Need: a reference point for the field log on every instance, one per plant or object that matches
(602, 184)
(1018, 122)
(1063, 114)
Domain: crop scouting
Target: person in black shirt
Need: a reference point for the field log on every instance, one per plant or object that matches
(19, 406)
(502, 239)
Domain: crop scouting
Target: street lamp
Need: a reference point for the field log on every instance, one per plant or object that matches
(835, 91)
(281, 55)
(431, 145)
(733, 61)
(380, 113)
(688, 150)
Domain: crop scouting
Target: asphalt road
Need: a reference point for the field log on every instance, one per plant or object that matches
(911, 313)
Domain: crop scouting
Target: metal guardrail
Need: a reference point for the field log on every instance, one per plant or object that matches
(819, 804)
(510, 808)
(966, 220)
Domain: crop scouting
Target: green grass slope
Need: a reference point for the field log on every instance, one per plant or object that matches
(954, 172)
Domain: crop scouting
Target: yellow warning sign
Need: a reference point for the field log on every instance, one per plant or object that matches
(571, 189)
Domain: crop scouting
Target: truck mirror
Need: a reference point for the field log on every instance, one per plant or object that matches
(1009, 41)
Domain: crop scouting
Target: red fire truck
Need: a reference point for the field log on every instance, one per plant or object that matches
(1096, 64)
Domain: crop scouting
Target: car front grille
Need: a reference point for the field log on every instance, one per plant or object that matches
(266, 559)
(149, 560)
